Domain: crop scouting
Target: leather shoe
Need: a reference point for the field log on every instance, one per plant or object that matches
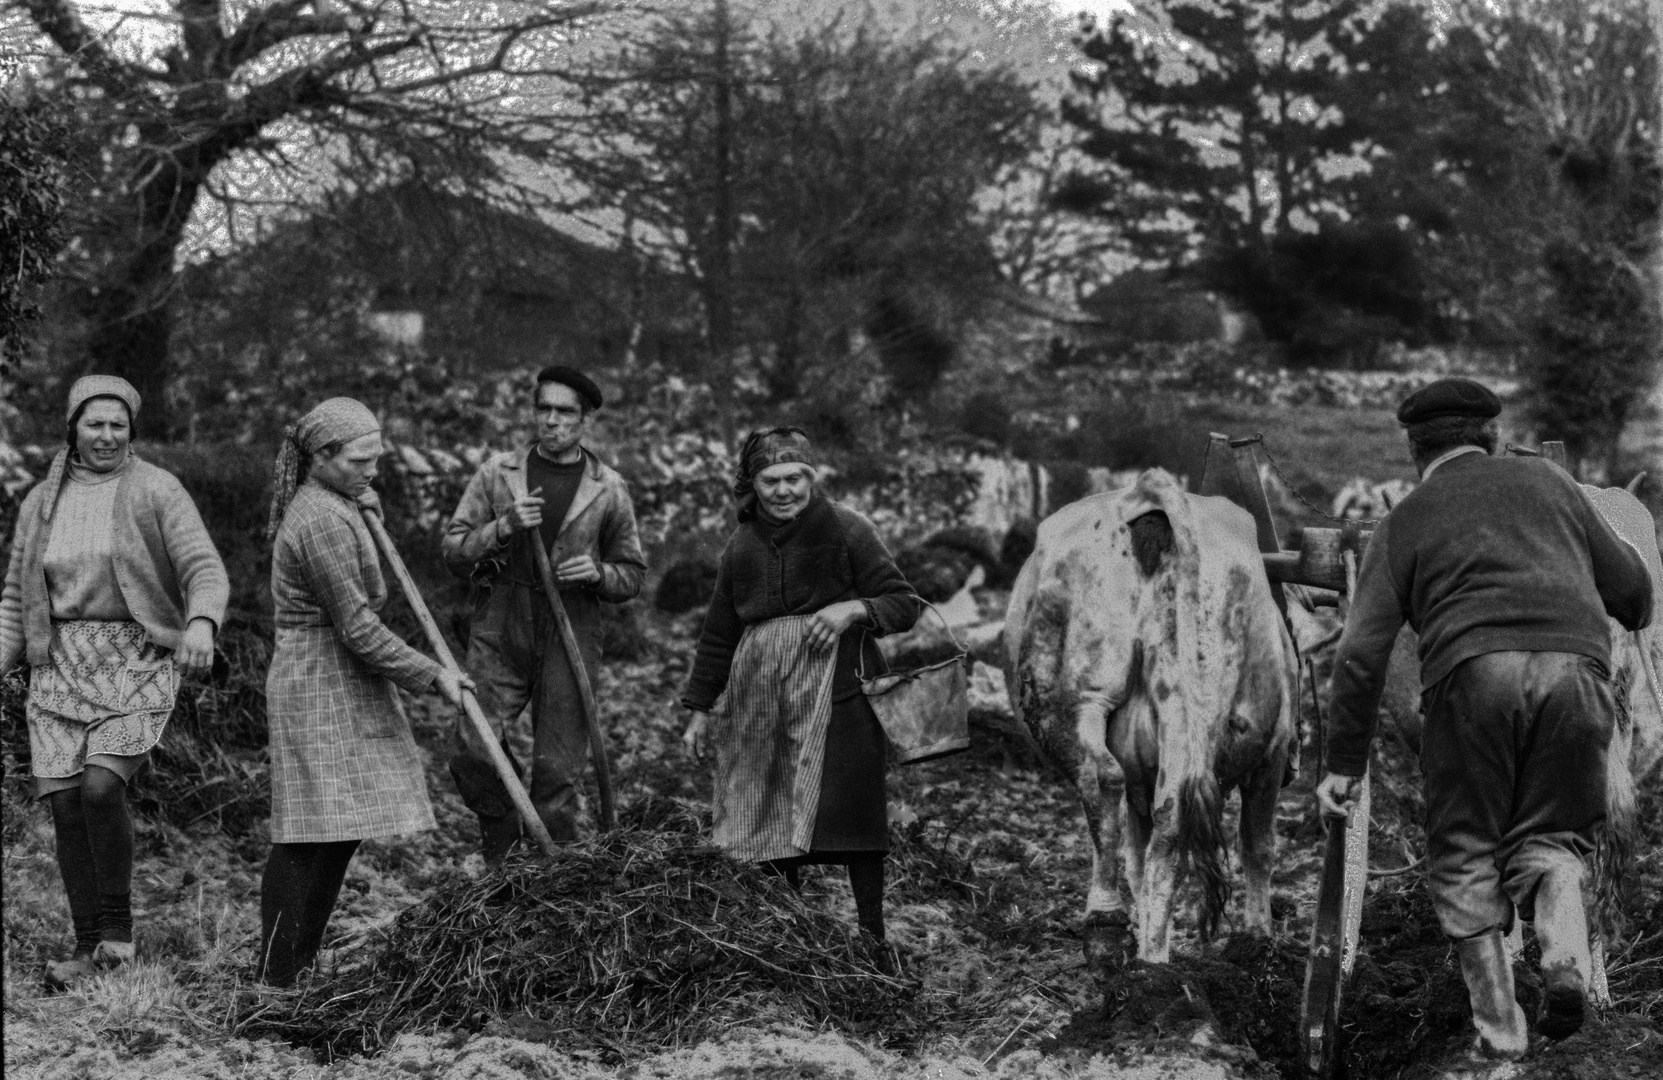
(62, 974)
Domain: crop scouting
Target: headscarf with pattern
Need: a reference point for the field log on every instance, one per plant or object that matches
(338, 420)
(761, 449)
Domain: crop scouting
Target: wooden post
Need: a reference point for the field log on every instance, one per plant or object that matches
(585, 693)
(470, 704)
(1219, 475)
(1254, 500)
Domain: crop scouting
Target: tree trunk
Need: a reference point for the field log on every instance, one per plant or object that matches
(129, 306)
(785, 376)
(719, 274)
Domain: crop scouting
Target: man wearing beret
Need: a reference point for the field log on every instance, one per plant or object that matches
(1507, 572)
(557, 493)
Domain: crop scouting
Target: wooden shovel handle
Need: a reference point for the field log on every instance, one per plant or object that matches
(470, 704)
(580, 675)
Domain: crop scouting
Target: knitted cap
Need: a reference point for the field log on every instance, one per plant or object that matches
(88, 387)
(1448, 397)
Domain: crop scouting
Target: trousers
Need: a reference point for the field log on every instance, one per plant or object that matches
(1513, 761)
(516, 659)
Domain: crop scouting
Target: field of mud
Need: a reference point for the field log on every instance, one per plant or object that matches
(640, 957)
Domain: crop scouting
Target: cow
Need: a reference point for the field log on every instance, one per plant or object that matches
(1145, 652)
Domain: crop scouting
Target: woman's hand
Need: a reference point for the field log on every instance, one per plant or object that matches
(451, 684)
(829, 623)
(195, 654)
(696, 737)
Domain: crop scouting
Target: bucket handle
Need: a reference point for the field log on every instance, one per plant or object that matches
(860, 662)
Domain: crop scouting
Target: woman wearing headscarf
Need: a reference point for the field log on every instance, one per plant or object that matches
(344, 765)
(803, 589)
(113, 589)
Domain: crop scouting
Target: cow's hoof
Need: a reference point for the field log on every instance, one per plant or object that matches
(1110, 944)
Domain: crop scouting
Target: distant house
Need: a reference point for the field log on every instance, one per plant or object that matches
(487, 288)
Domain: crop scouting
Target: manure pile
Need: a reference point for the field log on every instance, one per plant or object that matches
(635, 941)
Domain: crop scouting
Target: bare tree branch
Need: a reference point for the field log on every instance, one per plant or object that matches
(62, 23)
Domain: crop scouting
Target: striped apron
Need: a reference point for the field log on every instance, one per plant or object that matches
(770, 736)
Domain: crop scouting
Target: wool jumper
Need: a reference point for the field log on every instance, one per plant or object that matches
(1488, 555)
(558, 485)
(80, 556)
(827, 554)
(164, 559)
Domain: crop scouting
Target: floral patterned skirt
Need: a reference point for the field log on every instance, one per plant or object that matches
(106, 689)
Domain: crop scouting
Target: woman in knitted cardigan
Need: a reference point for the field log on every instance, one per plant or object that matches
(803, 588)
(113, 588)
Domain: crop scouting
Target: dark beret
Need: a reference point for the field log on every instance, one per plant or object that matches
(1448, 397)
(577, 380)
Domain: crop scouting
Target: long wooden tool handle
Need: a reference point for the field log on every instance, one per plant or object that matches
(470, 704)
(580, 675)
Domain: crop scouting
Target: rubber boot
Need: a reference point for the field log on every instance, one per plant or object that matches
(1567, 963)
(1502, 1032)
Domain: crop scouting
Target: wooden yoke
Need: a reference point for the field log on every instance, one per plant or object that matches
(1231, 469)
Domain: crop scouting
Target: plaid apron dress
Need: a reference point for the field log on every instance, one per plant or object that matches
(344, 764)
(770, 737)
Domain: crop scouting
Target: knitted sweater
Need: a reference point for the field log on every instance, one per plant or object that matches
(80, 556)
(165, 562)
(1489, 554)
(826, 554)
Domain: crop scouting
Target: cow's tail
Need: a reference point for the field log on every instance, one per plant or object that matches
(1201, 847)
(1186, 739)
(1613, 860)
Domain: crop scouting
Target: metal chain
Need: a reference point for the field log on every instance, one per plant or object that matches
(1276, 468)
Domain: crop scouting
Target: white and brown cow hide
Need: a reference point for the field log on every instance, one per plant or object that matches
(1146, 654)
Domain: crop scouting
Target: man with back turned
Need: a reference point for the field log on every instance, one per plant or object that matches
(1508, 573)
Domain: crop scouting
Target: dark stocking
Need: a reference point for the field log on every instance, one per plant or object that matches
(297, 895)
(69, 823)
(328, 872)
(866, 882)
(110, 832)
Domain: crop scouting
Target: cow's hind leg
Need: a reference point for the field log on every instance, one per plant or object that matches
(1258, 838)
(1109, 943)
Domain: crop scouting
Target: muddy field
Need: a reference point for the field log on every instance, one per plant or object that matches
(984, 902)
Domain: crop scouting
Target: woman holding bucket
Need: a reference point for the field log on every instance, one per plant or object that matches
(803, 588)
(114, 587)
(344, 765)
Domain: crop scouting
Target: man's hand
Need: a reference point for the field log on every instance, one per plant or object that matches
(578, 570)
(527, 511)
(451, 684)
(829, 623)
(195, 655)
(1337, 795)
(696, 738)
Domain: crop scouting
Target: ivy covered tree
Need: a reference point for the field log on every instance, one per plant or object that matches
(34, 146)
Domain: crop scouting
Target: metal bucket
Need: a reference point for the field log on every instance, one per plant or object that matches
(925, 713)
